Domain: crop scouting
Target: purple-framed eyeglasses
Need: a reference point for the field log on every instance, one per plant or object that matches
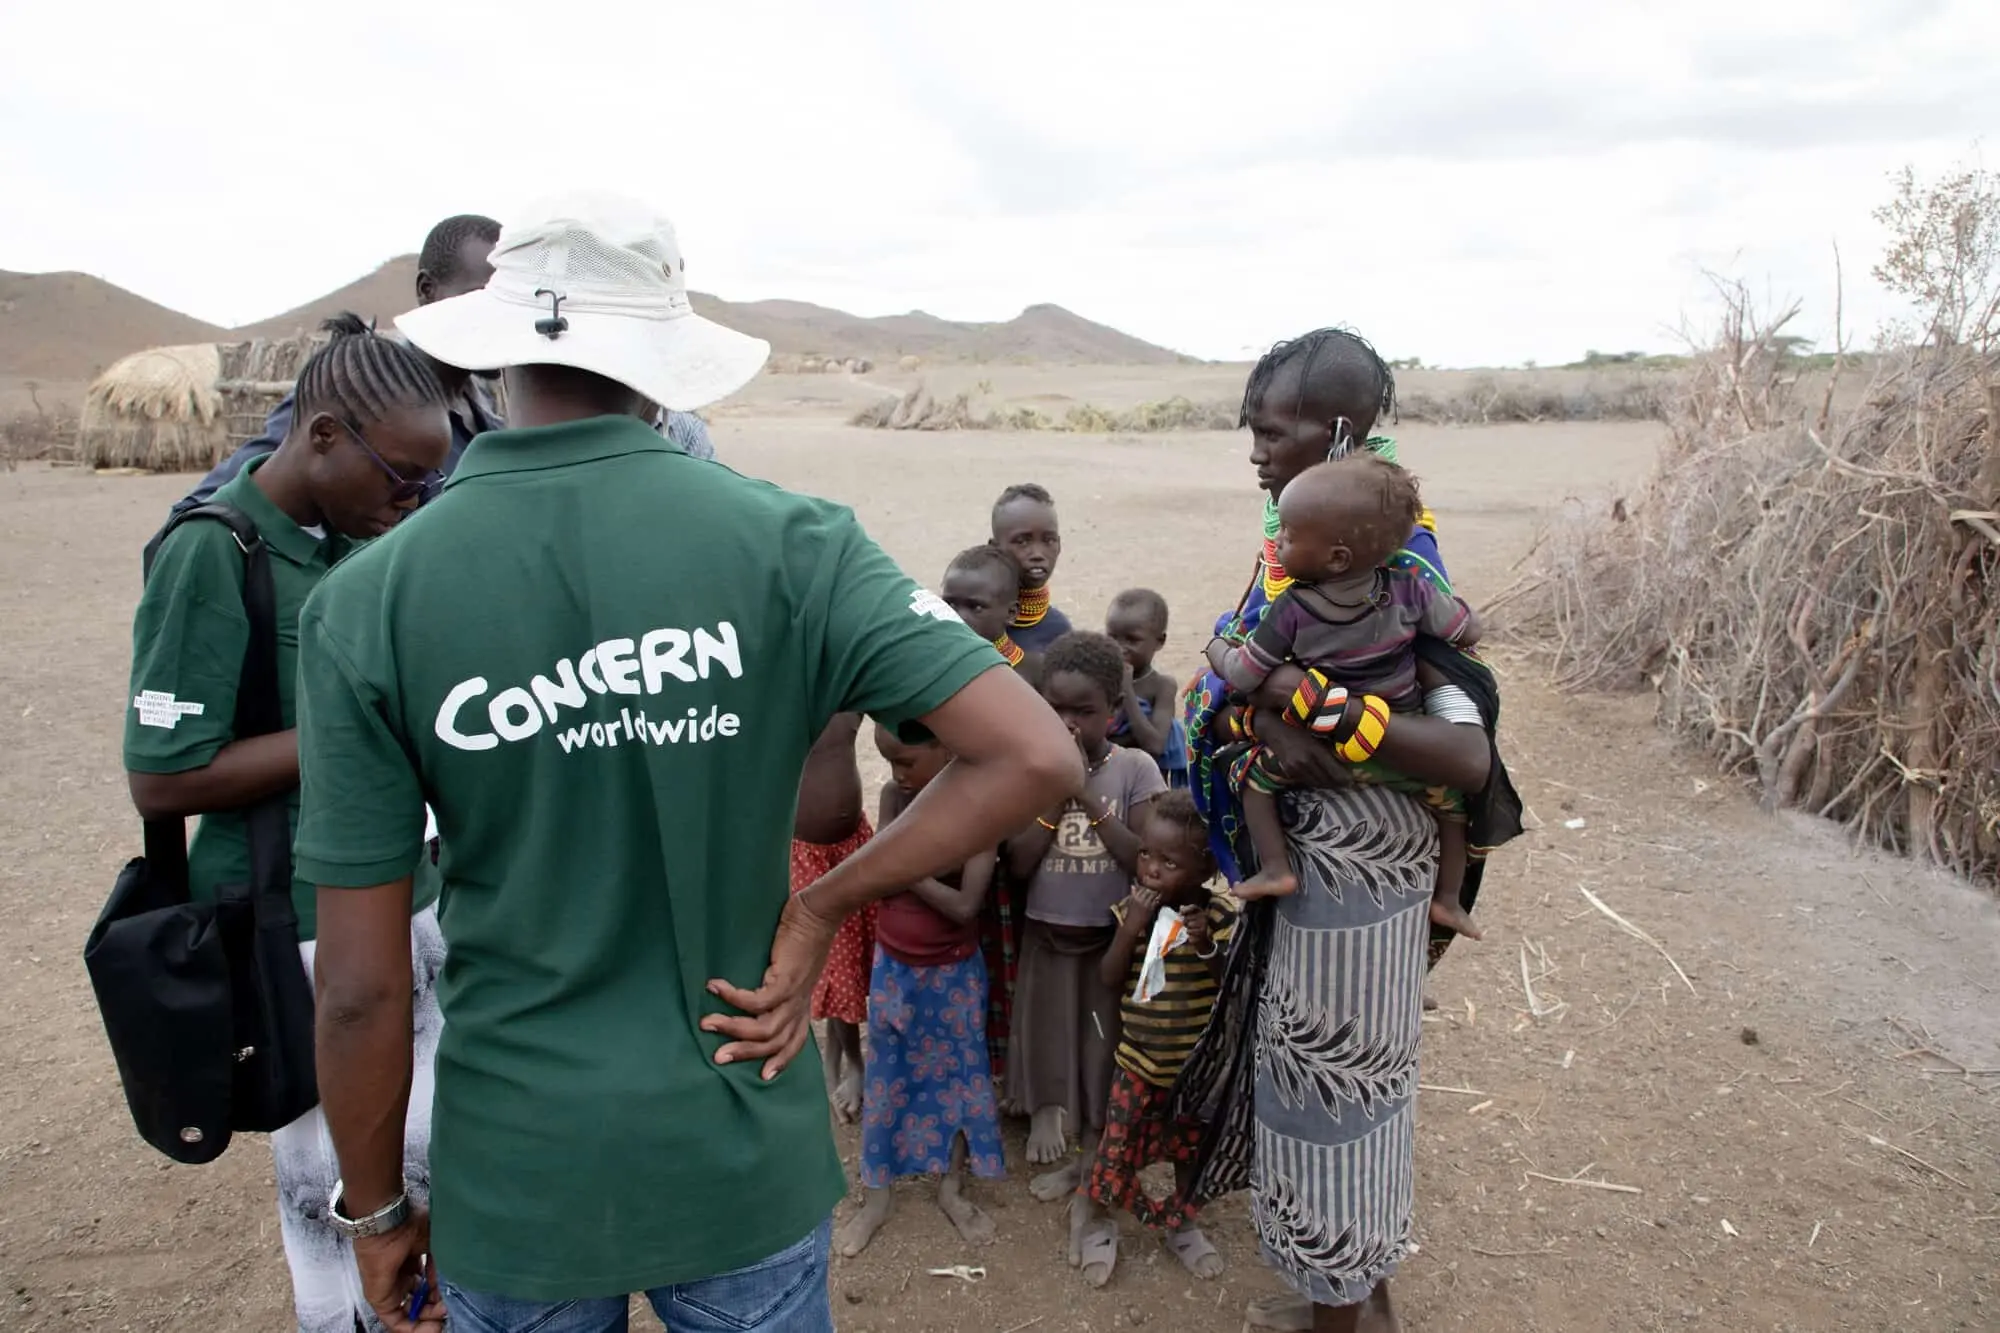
(402, 488)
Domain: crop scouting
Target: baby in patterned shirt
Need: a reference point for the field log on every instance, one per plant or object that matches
(1353, 623)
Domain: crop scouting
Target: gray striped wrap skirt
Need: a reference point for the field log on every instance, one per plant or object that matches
(1307, 1075)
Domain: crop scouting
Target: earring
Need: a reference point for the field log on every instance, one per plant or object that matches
(1343, 439)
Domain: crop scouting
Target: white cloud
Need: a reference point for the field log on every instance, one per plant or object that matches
(1465, 182)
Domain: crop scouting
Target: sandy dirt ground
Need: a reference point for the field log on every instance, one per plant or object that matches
(1604, 1144)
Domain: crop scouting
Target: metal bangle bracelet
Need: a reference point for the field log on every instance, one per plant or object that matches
(380, 1222)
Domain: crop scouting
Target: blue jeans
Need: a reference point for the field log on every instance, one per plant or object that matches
(785, 1293)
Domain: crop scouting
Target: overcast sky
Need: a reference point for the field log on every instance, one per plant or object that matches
(1467, 182)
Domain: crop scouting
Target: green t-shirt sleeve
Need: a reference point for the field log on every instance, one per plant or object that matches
(189, 635)
(891, 648)
(361, 807)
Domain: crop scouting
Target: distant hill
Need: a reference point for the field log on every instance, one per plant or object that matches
(799, 328)
(70, 326)
(1045, 333)
(381, 296)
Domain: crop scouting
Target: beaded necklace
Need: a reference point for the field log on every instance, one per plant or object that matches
(1276, 580)
(1034, 605)
(1010, 650)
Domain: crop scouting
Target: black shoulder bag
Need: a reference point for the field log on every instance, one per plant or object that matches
(207, 1004)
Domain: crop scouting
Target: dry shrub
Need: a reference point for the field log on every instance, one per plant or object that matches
(36, 434)
(1488, 401)
(1814, 594)
(791, 363)
(917, 410)
(1484, 402)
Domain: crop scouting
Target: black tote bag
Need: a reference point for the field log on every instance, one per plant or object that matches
(207, 1005)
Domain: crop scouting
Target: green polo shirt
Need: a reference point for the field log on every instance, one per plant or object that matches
(189, 636)
(608, 710)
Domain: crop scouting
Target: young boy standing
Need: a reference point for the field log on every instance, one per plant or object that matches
(1150, 704)
(1159, 1032)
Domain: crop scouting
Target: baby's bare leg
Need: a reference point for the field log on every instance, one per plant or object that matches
(1274, 877)
(1446, 910)
(974, 1226)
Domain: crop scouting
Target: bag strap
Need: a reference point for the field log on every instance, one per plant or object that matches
(258, 709)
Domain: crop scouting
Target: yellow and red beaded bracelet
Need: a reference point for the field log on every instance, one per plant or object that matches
(1368, 731)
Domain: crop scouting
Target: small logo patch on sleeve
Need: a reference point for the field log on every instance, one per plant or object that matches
(160, 709)
(923, 602)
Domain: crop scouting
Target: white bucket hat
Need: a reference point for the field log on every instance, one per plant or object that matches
(595, 281)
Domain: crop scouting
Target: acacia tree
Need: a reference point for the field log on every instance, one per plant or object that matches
(1944, 252)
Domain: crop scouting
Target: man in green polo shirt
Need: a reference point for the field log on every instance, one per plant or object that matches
(609, 712)
(371, 426)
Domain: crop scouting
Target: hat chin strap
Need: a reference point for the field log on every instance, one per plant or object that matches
(555, 325)
(658, 302)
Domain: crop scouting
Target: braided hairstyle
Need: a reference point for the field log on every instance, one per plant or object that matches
(440, 256)
(361, 375)
(1338, 370)
(1090, 655)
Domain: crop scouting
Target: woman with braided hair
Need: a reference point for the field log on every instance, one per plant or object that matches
(369, 434)
(1306, 1074)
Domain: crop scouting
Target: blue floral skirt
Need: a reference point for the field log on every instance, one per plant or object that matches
(927, 1074)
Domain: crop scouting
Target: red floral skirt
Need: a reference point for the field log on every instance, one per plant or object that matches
(842, 991)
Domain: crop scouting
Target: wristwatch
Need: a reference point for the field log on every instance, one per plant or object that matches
(383, 1220)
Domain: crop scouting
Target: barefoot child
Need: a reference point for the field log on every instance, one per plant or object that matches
(1024, 526)
(1353, 619)
(983, 584)
(1159, 1032)
(1078, 860)
(830, 827)
(928, 1109)
(1149, 709)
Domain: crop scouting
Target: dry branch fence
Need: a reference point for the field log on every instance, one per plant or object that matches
(1814, 594)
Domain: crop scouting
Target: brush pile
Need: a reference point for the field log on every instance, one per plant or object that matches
(1492, 400)
(1486, 400)
(1814, 594)
(918, 410)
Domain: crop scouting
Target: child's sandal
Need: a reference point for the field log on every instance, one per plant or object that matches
(1195, 1252)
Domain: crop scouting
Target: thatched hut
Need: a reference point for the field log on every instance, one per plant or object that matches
(180, 409)
(155, 409)
(183, 409)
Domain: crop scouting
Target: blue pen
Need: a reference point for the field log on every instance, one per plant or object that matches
(423, 1291)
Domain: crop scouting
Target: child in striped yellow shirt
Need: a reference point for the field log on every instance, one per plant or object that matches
(1159, 1032)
